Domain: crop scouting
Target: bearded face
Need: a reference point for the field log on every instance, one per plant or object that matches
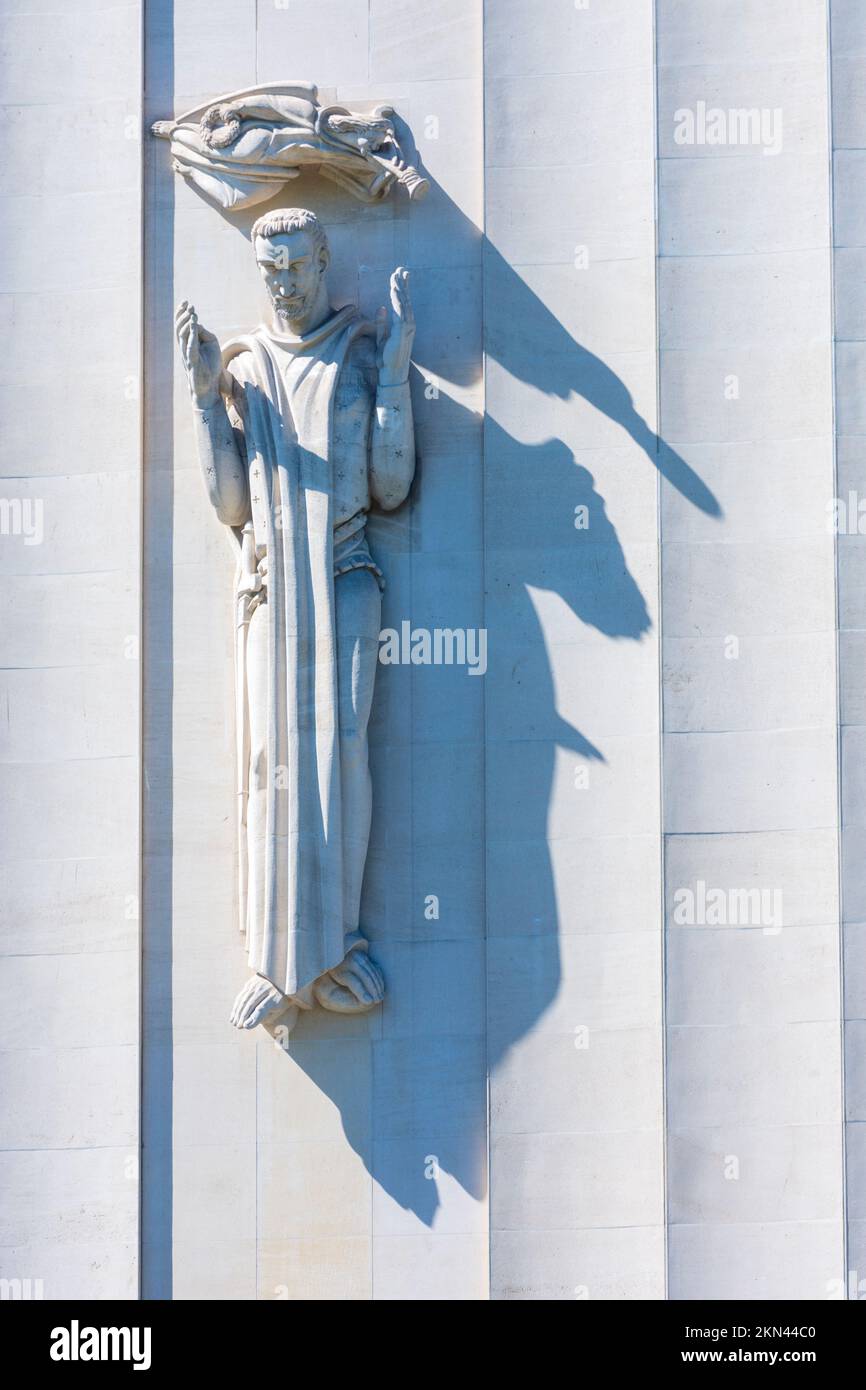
(292, 269)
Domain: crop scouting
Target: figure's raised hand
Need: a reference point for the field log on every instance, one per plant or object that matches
(395, 335)
(201, 354)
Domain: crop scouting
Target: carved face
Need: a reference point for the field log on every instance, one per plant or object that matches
(292, 270)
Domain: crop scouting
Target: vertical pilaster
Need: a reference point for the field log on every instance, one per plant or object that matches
(572, 715)
(349, 1164)
(749, 682)
(69, 650)
(848, 65)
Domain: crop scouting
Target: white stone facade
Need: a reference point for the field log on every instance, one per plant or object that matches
(616, 884)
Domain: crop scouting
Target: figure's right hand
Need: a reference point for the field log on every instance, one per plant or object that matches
(201, 355)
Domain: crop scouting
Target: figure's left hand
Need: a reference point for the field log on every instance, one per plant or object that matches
(394, 339)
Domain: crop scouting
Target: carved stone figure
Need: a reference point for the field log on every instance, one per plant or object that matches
(243, 148)
(300, 426)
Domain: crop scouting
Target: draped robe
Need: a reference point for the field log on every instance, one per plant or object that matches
(283, 391)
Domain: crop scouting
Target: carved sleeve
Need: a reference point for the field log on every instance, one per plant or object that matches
(392, 449)
(219, 442)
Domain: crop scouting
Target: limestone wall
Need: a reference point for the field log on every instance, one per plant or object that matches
(71, 670)
(615, 883)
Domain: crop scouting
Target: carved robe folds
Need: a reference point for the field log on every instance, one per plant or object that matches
(292, 876)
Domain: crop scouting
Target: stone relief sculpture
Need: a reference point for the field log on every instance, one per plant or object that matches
(241, 149)
(301, 425)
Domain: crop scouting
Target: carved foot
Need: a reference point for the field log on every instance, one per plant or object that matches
(257, 1001)
(353, 987)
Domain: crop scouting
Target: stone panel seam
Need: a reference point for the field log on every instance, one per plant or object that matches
(661, 698)
(142, 41)
(837, 654)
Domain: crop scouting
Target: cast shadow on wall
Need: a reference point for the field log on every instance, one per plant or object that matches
(428, 1092)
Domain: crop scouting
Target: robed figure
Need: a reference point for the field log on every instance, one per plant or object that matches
(300, 426)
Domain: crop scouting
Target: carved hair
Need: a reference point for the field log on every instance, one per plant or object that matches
(220, 127)
(283, 220)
